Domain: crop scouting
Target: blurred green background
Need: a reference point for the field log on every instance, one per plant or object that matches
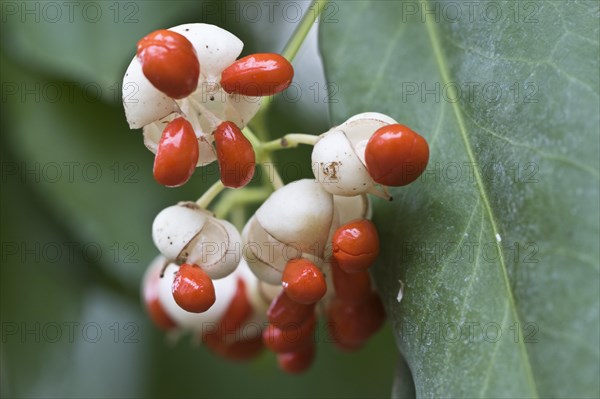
(78, 200)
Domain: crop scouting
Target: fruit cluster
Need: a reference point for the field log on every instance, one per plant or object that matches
(307, 249)
(216, 98)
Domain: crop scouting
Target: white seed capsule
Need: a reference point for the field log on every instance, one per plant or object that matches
(338, 156)
(293, 223)
(225, 290)
(215, 47)
(337, 167)
(262, 252)
(266, 256)
(143, 102)
(373, 117)
(174, 227)
(361, 127)
(350, 208)
(206, 108)
(217, 249)
(299, 214)
(185, 233)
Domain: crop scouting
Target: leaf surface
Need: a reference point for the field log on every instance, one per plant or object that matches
(497, 243)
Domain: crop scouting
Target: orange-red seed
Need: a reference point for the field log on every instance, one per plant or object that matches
(356, 245)
(177, 154)
(169, 62)
(262, 74)
(193, 289)
(303, 282)
(396, 155)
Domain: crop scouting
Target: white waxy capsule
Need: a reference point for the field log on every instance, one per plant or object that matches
(206, 108)
(370, 117)
(361, 127)
(350, 208)
(293, 223)
(176, 226)
(143, 102)
(263, 253)
(266, 256)
(185, 233)
(215, 47)
(225, 290)
(217, 249)
(337, 167)
(338, 156)
(298, 214)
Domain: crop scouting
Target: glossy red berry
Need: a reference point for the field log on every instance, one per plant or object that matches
(356, 245)
(285, 312)
(351, 324)
(228, 339)
(303, 282)
(261, 74)
(292, 338)
(192, 289)
(177, 154)
(169, 62)
(235, 155)
(395, 155)
(350, 287)
(298, 361)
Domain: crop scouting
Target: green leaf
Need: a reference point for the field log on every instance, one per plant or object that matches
(497, 243)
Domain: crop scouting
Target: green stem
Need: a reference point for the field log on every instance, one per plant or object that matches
(264, 159)
(252, 138)
(238, 217)
(249, 195)
(210, 194)
(293, 45)
(291, 140)
(241, 197)
(271, 174)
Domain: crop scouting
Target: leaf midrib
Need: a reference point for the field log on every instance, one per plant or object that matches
(445, 75)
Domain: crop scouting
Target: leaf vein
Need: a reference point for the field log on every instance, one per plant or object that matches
(544, 154)
(540, 62)
(445, 74)
(463, 306)
(384, 62)
(462, 238)
(488, 372)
